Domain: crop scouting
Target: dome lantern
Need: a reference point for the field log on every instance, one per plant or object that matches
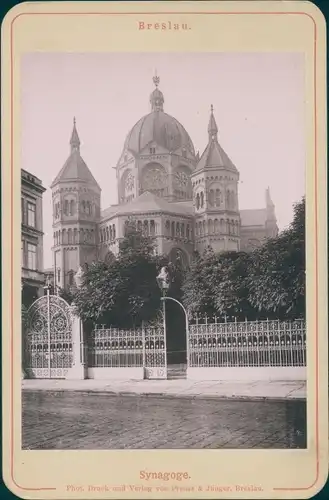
(156, 98)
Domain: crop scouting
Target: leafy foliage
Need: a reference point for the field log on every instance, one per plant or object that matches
(269, 282)
(123, 292)
(277, 274)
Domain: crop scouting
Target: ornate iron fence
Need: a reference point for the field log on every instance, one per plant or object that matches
(247, 343)
(117, 348)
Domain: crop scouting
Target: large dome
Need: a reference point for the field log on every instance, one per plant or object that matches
(161, 128)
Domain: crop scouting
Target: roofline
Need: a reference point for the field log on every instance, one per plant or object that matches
(159, 211)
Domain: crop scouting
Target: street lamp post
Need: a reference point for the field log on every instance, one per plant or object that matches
(164, 283)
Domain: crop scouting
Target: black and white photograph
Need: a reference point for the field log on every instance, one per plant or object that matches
(163, 250)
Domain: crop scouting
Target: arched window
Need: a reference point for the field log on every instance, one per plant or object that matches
(204, 227)
(232, 201)
(82, 236)
(152, 228)
(222, 226)
(64, 236)
(201, 199)
(69, 236)
(228, 224)
(182, 230)
(84, 206)
(173, 230)
(218, 198)
(211, 197)
(146, 228)
(210, 226)
(228, 199)
(75, 236)
(66, 207)
(72, 207)
(167, 228)
(216, 226)
(71, 277)
(197, 201)
(113, 231)
(107, 234)
(177, 229)
(187, 231)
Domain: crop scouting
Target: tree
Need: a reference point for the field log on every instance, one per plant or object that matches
(230, 287)
(216, 284)
(198, 284)
(277, 272)
(123, 292)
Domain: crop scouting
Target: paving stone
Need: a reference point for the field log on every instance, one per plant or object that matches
(75, 420)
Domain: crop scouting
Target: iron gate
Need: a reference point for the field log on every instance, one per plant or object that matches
(48, 338)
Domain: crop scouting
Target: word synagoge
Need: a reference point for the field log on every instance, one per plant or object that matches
(185, 201)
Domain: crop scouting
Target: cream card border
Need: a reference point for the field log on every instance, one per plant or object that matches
(215, 26)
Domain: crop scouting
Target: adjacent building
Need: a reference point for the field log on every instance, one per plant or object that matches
(185, 201)
(31, 237)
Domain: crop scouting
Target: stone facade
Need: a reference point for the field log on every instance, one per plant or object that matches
(31, 237)
(186, 202)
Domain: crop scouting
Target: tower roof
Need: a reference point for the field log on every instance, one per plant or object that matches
(75, 168)
(214, 155)
(75, 141)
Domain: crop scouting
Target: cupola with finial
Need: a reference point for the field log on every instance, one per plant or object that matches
(212, 127)
(75, 141)
(156, 98)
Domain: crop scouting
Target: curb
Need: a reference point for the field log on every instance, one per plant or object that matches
(164, 395)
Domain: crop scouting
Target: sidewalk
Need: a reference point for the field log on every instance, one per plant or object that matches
(180, 388)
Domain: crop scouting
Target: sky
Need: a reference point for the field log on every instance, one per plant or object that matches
(258, 101)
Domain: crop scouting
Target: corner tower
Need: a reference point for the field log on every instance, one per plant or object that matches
(76, 198)
(215, 196)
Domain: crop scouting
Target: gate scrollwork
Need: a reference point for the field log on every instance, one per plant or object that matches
(48, 342)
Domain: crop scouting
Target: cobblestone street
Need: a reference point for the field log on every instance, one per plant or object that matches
(57, 420)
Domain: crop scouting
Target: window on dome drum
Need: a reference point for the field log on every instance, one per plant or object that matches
(31, 256)
(31, 208)
(58, 275)
(152, 151)
(184, 153)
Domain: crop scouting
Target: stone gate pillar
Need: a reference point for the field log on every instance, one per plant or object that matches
(79, 368)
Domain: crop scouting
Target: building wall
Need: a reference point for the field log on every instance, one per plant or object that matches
(31, 237)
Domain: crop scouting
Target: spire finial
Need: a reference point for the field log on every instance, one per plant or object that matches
(212, 127)
(156, 79)
(75, 141)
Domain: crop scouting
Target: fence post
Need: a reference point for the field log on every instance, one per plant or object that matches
(143, 349)
(79, 363)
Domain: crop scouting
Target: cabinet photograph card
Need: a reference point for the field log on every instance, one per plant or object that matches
(165, 260)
